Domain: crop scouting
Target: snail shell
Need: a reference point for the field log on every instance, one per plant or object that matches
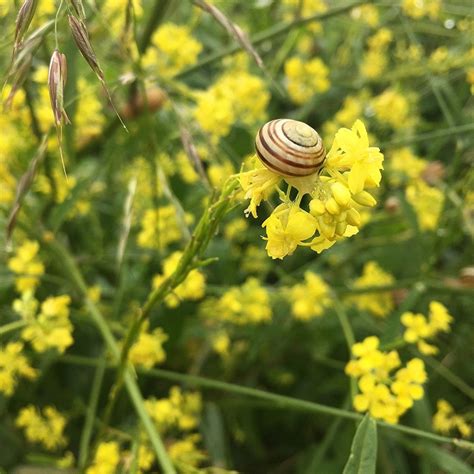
(290, 148)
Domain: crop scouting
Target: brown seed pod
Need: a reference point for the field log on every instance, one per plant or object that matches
(290, 148)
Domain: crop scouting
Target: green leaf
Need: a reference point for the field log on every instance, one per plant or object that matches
(447, 461)
(363, 456)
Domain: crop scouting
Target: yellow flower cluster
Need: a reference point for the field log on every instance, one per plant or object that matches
(246, 304)
(106, 459)
(375, 60)
(51, 327)
(427, 201)
(159, 228)
(379, 303)
(309, 299)
(337, 192)
(26, 264)
(173, 49)
(148, 349)
(366, 13)
(305, 78)
(192, 288)
(384, 395)
(13, 365)
(235, 96)
(392, 108)
(419, 8)
(304, 9)
(179, 411)
(446, 420)
(419, 328)
(45, 428)
(404, 163)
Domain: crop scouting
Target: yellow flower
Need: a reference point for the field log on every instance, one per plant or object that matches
(384, 396)
(309, 299)
(427, 202)
(173, 49)
(286, 228)
(26, 264)
(179, 411)
(148, 350)
(46, 428)
(445, 420)
(192, 288)
(417, 327)
(380, 303)
(13, 365)
(186, 452)
(405, 163)
(367, 13)
(221, 343)
(351, 151)
(440, 319)
(392, 108)
(247, 304)
(106, 459)
(305, 78)
(420, 8)
(159, 228)
(51, 328)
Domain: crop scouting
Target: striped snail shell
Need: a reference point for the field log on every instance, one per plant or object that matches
(290, 148)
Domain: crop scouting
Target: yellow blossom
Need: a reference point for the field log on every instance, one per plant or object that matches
(351, 150)
(419, 8)
(445, 420)
(106, 459)
(148, 349)
(427, 201)
(247, 304)
(286, 228)
(305, 78)
(26, 264)
(46, 427)
(392, 108)
(403, 162)
(185, 451)
(13, 365)
(309, 299)
(173, 49)
(192, 288)
(159, 228)
(380, 303)
(51, 328)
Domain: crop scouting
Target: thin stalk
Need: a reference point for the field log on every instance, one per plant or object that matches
(281, 400)
(348, 336)
(274, 31)
(6, 328)
(69, 267)
(86, 434)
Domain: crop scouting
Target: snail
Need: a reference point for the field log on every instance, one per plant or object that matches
(290, 148)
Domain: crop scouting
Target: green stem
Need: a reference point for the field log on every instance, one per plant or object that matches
(6, 328)
(280, 400)
(348, 336)
(274, 31)
(70, 268)
(90, 414)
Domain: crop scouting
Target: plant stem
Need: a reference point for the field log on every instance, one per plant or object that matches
(90, 414)
(280, 400)
(274, 31)
(6, 328)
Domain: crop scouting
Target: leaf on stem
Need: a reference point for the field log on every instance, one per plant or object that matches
(363, 456)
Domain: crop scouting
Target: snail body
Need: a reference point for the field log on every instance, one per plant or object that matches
(290, 148)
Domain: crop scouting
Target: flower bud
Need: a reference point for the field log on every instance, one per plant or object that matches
(341, 228)
(316, 207)
(353, 217)
(332, 207)
(341, 194)
(364, 199)
(328, 230)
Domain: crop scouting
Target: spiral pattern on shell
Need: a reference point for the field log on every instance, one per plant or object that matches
(290, 148)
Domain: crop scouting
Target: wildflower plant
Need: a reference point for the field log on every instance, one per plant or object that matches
(166, 283)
